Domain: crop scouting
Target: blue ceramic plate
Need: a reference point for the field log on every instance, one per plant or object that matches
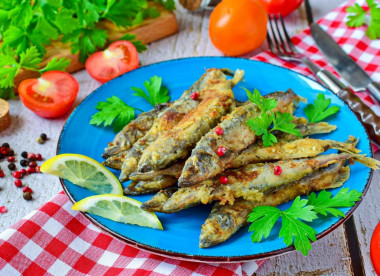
(182, 229)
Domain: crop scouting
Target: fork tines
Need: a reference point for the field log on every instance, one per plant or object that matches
(278, 38)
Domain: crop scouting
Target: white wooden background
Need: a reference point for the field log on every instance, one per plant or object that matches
(329, 255)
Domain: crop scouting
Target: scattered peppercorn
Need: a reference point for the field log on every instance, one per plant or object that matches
(12, 166)
(1, 174)
(27, 196)
(23, 171)
(1, 155)
(32, 164)
(277, 170)
(31, 156)
(24, 154)
(27, 189)
(38, 169)
(24, 162)
(221, 151)
(18, 183)
(11, 152)
(6, 145)
(30, 170)
(4, 150)
(38, 157)
(194, 96)
(17, 174)
(3, 209)
(39, 140)
(223, 179)
(10, 159)
(43, 136)
(219, 131)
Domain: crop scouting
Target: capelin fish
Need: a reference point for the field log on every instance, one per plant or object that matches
(116, 161)
(204, 161)
(225, 220)
(156, 203)
(216, 101)
(133, 131)
(252, 181)
(305, 130)
(283, 150)
(166, 120)
(149, 187)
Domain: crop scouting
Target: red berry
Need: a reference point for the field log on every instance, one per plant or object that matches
(31, 170)
(1, 174)
(23, 171)
(223, 179)
(221, 151)
(10, 159)
(277, 170)
(3, 209)
(32, 164)
(17, 174)
(38, 169)
(38, 157)
(32, 156)
(219, 131)
(27, 189)
(4, 150)
(194, 96)
(18, 183)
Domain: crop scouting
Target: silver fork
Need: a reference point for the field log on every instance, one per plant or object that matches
(280, 44)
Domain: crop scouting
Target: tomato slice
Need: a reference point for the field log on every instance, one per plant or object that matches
(375, 249)
(51, 95)
(284, 7)
(120, 57)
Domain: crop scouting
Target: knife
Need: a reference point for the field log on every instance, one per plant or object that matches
(366, 115)
(343, 63)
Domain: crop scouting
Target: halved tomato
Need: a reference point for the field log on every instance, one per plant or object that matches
(375, 249)
(120, 57)
(51, 95)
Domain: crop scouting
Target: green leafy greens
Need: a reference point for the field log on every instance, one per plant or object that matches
(26, 24)
(358, 17)
(294, 230)
(157, 93)
(269, 121)
(320, 109)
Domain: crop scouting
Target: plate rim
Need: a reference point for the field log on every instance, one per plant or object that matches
(203, 258)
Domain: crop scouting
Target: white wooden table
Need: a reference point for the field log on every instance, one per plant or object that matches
(330, 255)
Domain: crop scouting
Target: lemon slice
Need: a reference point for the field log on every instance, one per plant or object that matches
(83, 171)
(118, 208)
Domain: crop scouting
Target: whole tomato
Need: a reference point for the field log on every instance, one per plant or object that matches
(375, 249)
(238, 27)
(284, 7)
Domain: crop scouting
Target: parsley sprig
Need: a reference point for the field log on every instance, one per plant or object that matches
(294, 230)
(269, 121)
(358, 17)
(320, 109)
(156, 92)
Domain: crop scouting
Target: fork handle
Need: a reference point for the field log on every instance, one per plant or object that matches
(366, 115)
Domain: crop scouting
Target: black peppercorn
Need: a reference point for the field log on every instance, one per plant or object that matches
(6, 145)
(43, 136)
(12, 166)
(24, 162)
(11, 152)
(27, 196)
(24, 154)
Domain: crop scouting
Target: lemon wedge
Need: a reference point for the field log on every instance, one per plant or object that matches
(118, 208)
(84, 172)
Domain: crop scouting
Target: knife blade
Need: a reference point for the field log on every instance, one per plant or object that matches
(343, 63)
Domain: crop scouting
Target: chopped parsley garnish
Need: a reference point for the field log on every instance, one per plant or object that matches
(156, 92)
(358, 17)
(320, 109)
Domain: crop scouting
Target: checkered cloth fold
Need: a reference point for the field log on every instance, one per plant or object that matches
(55, 240)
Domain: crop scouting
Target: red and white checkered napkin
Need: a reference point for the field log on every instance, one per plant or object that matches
(55, 240)
(364, 51)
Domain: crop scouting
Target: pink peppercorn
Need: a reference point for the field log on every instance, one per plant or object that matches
(3, 209)
(31, 170)
(219, 131)
(23, 171)
(1, 174)
(10, 159)
(38, 157)
(223, 179)
(18, 183)
(17, 174)
(194, 96)
(27, 189)
(277, 170)
(31, 156)
(38, 169)
(221, 151)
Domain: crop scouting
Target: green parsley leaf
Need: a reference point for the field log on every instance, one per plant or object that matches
(324, 203)
(113, 111)
(283, 122)
(157, 93)
(66, 21)
(31, 58)
(319, 111)
(168, 4)
(9, 68)
(21, 14)
(260, 126)
(373, 30)
(7, 93)
(140, 47)
(56, 65)
(123, 12)
(357, 16)
(263, 219)
(263, 103)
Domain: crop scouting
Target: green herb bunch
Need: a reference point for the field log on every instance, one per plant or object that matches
(26, 24)
(358, 17)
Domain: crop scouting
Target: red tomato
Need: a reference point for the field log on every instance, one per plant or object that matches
(375, 249)
(51, 95)
(120, 57)
(238, 27)
(284, 7)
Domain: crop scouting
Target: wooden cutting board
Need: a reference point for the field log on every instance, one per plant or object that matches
(150, 30)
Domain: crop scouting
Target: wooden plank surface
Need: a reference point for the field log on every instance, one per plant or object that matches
(330, 255)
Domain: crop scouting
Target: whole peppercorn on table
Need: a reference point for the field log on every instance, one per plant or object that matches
(338, 253)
